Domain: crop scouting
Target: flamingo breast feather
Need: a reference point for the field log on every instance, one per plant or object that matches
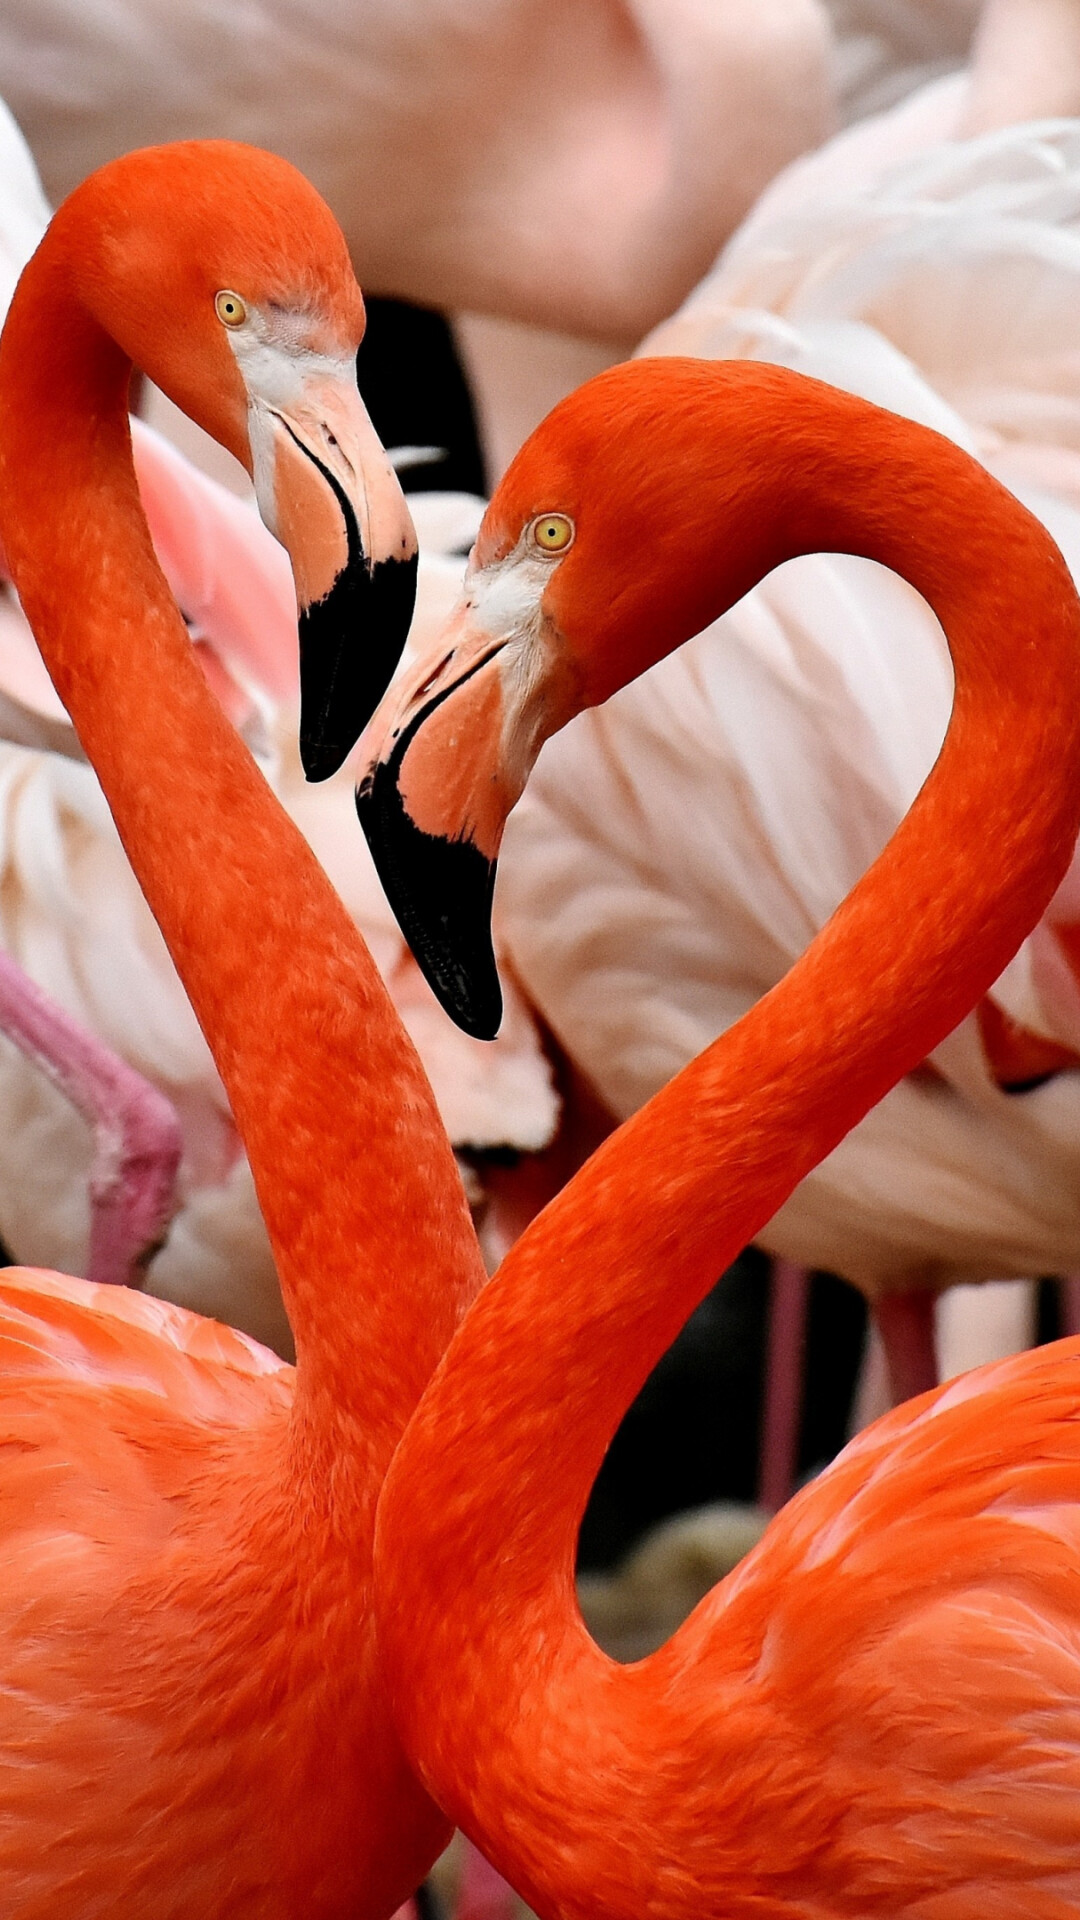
(122, 1418)
(910, 1622)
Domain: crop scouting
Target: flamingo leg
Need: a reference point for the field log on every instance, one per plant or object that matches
(789, 1297)
(484, 1894)
(137, 1139)
(906, 1324)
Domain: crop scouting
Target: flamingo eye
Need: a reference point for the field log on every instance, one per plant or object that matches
(230, 309)
(553, 532)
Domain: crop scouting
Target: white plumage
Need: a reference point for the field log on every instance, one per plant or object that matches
(574, 163)
(532, 165)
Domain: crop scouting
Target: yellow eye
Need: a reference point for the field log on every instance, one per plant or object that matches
(230, 309)
(553, 532)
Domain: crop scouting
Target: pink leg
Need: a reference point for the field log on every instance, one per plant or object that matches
(1070, 1303)
(906, 1324)
(484, 1894)
(136, 1131)
(789, 1296)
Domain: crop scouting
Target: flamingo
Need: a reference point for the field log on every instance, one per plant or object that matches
(74, 921)
(569, 163)
(877, 1711)
(878, 54)
(676, 849)
(193, 1716)
(137, 1137)
(71, 913)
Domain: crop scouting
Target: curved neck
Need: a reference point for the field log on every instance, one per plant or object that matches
(535, 1382)
(356, 1181)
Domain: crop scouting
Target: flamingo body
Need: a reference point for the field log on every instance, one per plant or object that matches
(912, 1748)
(858, 1719)
(192, 1696)
(130, 1431)
(573, 164)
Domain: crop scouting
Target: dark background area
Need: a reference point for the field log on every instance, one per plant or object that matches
(417, 395)
(693, 1433)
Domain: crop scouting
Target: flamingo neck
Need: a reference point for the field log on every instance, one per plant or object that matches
(357, 1184)
(479, 1517)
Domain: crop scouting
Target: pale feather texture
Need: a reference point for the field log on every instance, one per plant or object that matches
(879, 51)
(72, 914)
(574, 163)
(676, 849)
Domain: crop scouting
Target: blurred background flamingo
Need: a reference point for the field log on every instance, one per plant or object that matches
(557, 206)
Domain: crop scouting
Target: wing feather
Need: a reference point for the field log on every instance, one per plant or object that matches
(911, 1620)
(52, 1325)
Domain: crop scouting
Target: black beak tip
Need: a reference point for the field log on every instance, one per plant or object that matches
(350, 644)
(321, 758)
(473, 1004)
(441, 892)
(473, 997)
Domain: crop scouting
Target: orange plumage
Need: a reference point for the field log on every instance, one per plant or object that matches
(878, 1712)
(192, 1713)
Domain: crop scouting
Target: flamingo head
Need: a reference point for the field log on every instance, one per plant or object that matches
(596, 556)
(221, 273)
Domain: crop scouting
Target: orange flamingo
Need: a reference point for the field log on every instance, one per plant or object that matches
(878, 1711)
(192, 1719)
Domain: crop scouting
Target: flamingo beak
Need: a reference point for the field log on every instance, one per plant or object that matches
(433, 802)
(326, 488)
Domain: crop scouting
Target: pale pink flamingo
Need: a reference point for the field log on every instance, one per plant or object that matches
(137, 1137)
(573, 163)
